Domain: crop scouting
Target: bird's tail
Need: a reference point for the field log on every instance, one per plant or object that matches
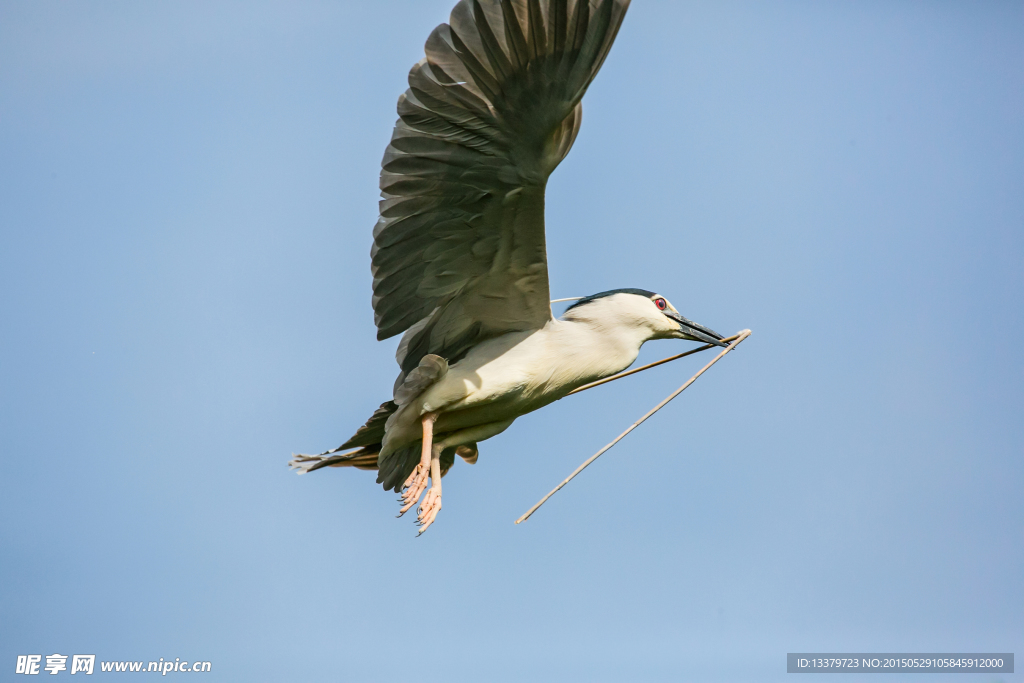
(361, 458)
(361, 449)
(366, 459)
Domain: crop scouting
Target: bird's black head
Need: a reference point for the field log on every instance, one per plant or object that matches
(652, 309)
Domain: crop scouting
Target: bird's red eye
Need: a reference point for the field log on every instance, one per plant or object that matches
(661, 304)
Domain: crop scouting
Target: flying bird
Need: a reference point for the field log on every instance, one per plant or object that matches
(459, 261)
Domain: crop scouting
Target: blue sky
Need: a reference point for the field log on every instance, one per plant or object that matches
(186, 197)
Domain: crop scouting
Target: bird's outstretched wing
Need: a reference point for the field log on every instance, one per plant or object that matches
(459, 253)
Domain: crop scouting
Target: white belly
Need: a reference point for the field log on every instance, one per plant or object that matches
(511, 375)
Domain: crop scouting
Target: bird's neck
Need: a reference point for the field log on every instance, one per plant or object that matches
(593, 350)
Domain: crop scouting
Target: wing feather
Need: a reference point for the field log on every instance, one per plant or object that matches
(459, 252)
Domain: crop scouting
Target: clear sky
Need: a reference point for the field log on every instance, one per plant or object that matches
(187, 191)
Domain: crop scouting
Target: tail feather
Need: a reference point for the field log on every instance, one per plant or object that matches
(361, 458)
(366, 459)
(366, 442)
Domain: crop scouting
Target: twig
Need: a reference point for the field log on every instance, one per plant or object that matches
(738, 339)
(655, 364)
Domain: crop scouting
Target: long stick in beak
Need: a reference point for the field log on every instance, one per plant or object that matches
(655, 364)
(738, 339)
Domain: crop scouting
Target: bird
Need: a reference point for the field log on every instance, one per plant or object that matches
(459, 261)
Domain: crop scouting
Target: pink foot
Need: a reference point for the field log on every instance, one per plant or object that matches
(413, 487)
(432, 502)
(430, 507)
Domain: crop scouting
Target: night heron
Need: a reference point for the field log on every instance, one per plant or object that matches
(458, 260)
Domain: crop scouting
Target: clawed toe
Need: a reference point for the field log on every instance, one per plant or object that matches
(429, 509)
(413, 488)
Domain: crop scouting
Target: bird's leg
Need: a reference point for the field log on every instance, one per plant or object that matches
(432, 501)
(413, 487)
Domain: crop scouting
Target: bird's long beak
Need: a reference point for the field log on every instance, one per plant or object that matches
(696, 332)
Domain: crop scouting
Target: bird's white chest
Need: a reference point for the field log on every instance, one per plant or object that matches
(522, 371)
